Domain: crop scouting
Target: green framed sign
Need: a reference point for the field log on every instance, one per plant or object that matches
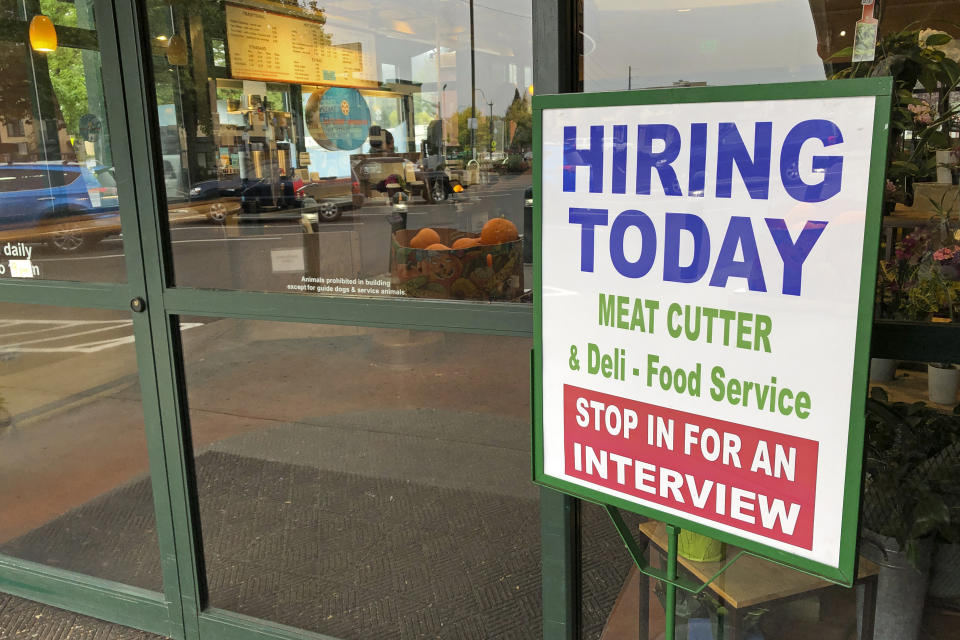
(705, 261)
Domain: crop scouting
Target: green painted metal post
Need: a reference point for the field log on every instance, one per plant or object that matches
(670, 606)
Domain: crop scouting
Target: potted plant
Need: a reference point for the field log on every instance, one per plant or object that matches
(943, 381)
(913, 57)
(943, 378)
(883, 369)
(908, 484)
(910, 286)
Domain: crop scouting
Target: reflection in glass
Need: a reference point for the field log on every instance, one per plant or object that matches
(607, 578)
(659, 43)
(58, 193)
(911, 430)
(366, 483)
(74, 485)
(304, 148)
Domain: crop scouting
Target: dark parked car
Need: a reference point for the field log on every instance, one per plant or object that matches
(252, 195)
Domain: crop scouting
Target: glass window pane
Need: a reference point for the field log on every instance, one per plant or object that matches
(606, 577)
(59, 207)
(365, 483)
(753, 598)
(305, 149)
(655, 43)
(74, 479)
(69, 13)
(699, 42)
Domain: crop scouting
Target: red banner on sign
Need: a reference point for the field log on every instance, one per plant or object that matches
(747, 478)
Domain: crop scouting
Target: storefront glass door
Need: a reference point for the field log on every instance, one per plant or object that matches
(223, 416)
(345, 282)
(83, 493)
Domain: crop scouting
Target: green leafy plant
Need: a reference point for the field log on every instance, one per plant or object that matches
(922, 279)
(912, 464)
(913, 57)
(910, 285)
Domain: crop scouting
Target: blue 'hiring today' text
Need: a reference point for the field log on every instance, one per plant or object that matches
(754, 169)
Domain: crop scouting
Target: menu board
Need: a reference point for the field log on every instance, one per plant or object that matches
(270, 46)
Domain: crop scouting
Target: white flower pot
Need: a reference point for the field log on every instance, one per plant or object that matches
(882, 369)
(942, 384)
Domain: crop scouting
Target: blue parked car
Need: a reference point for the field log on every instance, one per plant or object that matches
(67, 205)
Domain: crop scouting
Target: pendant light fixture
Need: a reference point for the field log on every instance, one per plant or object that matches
(43, 35)
(177, 50)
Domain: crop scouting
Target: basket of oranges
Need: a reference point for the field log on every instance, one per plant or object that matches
(449, 263)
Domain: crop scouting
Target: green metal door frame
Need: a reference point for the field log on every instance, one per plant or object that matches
(557, 43)
(180, 610)
(155, 612)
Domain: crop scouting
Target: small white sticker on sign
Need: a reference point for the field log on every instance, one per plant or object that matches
(21, 269)
(287, 260)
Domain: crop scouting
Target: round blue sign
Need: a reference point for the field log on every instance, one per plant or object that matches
(338, 118)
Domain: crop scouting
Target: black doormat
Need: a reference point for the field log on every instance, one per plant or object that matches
(349, 556)
(21, 618)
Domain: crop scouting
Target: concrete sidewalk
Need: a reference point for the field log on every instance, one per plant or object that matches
(21, 618)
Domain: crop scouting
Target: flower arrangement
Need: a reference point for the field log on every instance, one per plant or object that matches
(922, 278)
(909, 287)
(948, 260)
(923, 115)
(947, 255)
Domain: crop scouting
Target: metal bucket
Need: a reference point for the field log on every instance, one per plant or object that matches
(902, 588)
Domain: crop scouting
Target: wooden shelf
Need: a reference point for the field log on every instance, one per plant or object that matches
(750, 580)
(909, 386)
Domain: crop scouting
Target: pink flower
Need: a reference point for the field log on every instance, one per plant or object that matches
(946, 254)
(922, 113)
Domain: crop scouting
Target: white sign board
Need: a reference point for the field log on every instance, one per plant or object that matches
(702, 287)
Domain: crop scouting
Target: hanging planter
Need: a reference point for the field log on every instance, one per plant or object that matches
(943, 381)
(177, 51)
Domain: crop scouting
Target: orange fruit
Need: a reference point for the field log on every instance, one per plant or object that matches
(438, 247)
(424, 238)
(466, 243)
(498, 231)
